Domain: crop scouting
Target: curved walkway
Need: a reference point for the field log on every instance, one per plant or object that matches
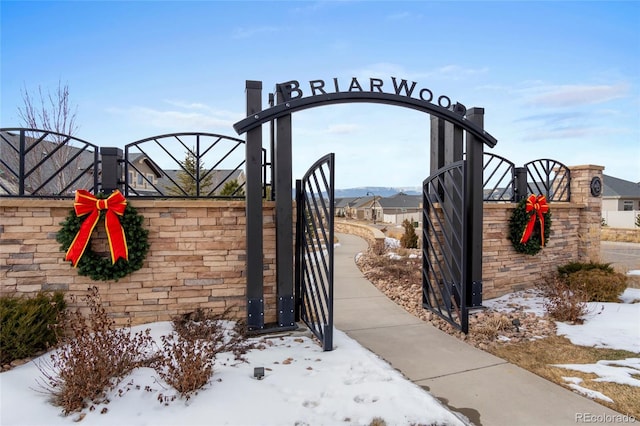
(488, 390)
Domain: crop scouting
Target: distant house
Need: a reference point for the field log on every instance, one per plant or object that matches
(53, 165)
(144, 175)
(343, 206)
(620, 202)
(400, 207)
(393, 209)
(146, 178)
(368, 208)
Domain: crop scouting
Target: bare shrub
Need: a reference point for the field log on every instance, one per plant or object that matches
(187, 358)
(93, 358)
(562, 302)
(378, 248)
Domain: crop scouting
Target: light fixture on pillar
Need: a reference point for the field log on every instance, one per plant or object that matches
(373, 207)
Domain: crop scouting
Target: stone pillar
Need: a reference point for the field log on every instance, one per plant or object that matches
(584, 190)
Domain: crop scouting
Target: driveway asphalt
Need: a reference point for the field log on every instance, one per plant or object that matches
(622, 256)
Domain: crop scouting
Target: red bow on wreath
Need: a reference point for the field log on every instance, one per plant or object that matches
(86, 203)
(538, 207)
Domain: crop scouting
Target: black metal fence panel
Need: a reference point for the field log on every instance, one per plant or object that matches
(550, 178)
(45, 164)
(314, 249)
(502, 181)
(498, 178)
(190, 164)
(444, 267)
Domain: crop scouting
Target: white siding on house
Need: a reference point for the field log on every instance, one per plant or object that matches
(397, 219)
(620, 219)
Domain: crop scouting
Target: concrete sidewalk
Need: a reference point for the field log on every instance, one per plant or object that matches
(488, 390)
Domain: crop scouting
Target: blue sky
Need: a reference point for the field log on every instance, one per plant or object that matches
(557, 80)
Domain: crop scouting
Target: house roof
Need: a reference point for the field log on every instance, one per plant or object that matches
(157, 170)
(345, 202)
(617, 188)
(361, 202)
(402, 201)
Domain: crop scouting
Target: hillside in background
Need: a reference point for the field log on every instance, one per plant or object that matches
(378, 191)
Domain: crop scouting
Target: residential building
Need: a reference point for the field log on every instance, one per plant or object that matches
(400, 207)
(620, 202)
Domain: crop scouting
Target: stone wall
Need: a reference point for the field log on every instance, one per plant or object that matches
(369, 233)
(622, 235)
(197, 257)
(196, 260)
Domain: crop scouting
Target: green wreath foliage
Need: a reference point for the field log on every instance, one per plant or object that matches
(100, 268)
(517, 225)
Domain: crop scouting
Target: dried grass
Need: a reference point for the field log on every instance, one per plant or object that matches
(539, 356)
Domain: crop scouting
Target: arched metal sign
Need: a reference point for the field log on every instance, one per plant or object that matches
(402, 95)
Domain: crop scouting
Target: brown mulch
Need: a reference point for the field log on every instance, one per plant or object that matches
(400, 279)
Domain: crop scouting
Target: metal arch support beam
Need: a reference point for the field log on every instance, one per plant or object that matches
(299, 104)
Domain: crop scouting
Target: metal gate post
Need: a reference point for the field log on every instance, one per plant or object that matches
(521, 184)
(284, 217)
(299, 255)
(436, 154)
(474, 213)
(112, 159)
(253, 185)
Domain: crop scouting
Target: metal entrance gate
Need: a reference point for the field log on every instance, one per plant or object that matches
(314, 250)
(444, 258)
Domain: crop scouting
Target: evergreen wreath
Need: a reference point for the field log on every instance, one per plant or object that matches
(100, 268)
(519, 219)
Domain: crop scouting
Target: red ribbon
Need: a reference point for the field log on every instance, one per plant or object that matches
(86, 203)
(538, 207)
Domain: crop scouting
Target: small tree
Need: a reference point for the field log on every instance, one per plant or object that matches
(409, 239)
(188, 177)
(232, 188)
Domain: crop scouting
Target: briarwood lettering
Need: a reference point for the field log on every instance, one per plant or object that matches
(401, 87)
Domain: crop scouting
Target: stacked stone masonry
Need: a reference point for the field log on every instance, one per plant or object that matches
(197, 257)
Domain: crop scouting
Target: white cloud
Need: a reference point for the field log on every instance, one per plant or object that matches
(194, 116)
(574, 95)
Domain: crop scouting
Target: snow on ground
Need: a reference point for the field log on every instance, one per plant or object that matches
(574, 383)
(391, 243)
(524, 301)
(302, 386)
(606, 325)
(620, 371)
